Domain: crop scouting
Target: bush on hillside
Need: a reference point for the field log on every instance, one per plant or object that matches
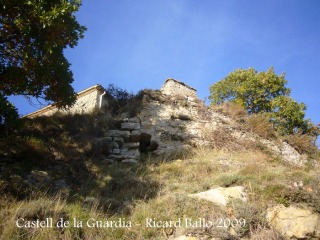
(121, 101)
(303, 143)
(261, 125)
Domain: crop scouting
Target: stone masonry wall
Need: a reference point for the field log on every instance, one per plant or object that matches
(86, 102)
(121, 145)
(174, 87)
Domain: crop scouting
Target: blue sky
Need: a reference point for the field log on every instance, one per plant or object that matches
(138, 44)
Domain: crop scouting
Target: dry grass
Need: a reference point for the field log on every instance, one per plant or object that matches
(231, 109)
(151, 189)
(156, 189)
(260, 124)
(265, 233)
(204, 112)
(221, 138)
(256, 123)
(303, 143)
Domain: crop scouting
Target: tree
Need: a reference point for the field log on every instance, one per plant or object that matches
(252, 90)
(288, 115)
(263, 92)
(33, 36)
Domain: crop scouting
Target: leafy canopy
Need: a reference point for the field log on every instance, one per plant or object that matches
(250, 89)
(33, 35)
(263, 92)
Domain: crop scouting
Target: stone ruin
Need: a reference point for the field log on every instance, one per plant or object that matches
(154, 129)
(172, 122)
(121, 145)
(174, 87)
(86, 101)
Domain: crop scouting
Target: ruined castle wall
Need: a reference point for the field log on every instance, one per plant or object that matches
(171, 122)
(174, 87)
(86, 102)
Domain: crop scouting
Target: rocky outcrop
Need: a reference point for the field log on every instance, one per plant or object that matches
(222, 196)
(177, 122)
(288, 153)
(293, 222)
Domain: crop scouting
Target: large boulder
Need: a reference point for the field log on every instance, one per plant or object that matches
(222, 196)
(291, 155)
(294, 222)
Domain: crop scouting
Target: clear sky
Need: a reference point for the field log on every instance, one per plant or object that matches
(138, 44)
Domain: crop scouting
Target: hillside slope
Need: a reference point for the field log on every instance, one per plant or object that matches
(201, 174)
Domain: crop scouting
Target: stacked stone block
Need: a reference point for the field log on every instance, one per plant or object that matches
(124, 143)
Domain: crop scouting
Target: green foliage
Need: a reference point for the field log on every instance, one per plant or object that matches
(8, 114)
(33, 37)
(121, 101)
(287, 115)
(250, 89)
(264, 92)
(119, 96)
